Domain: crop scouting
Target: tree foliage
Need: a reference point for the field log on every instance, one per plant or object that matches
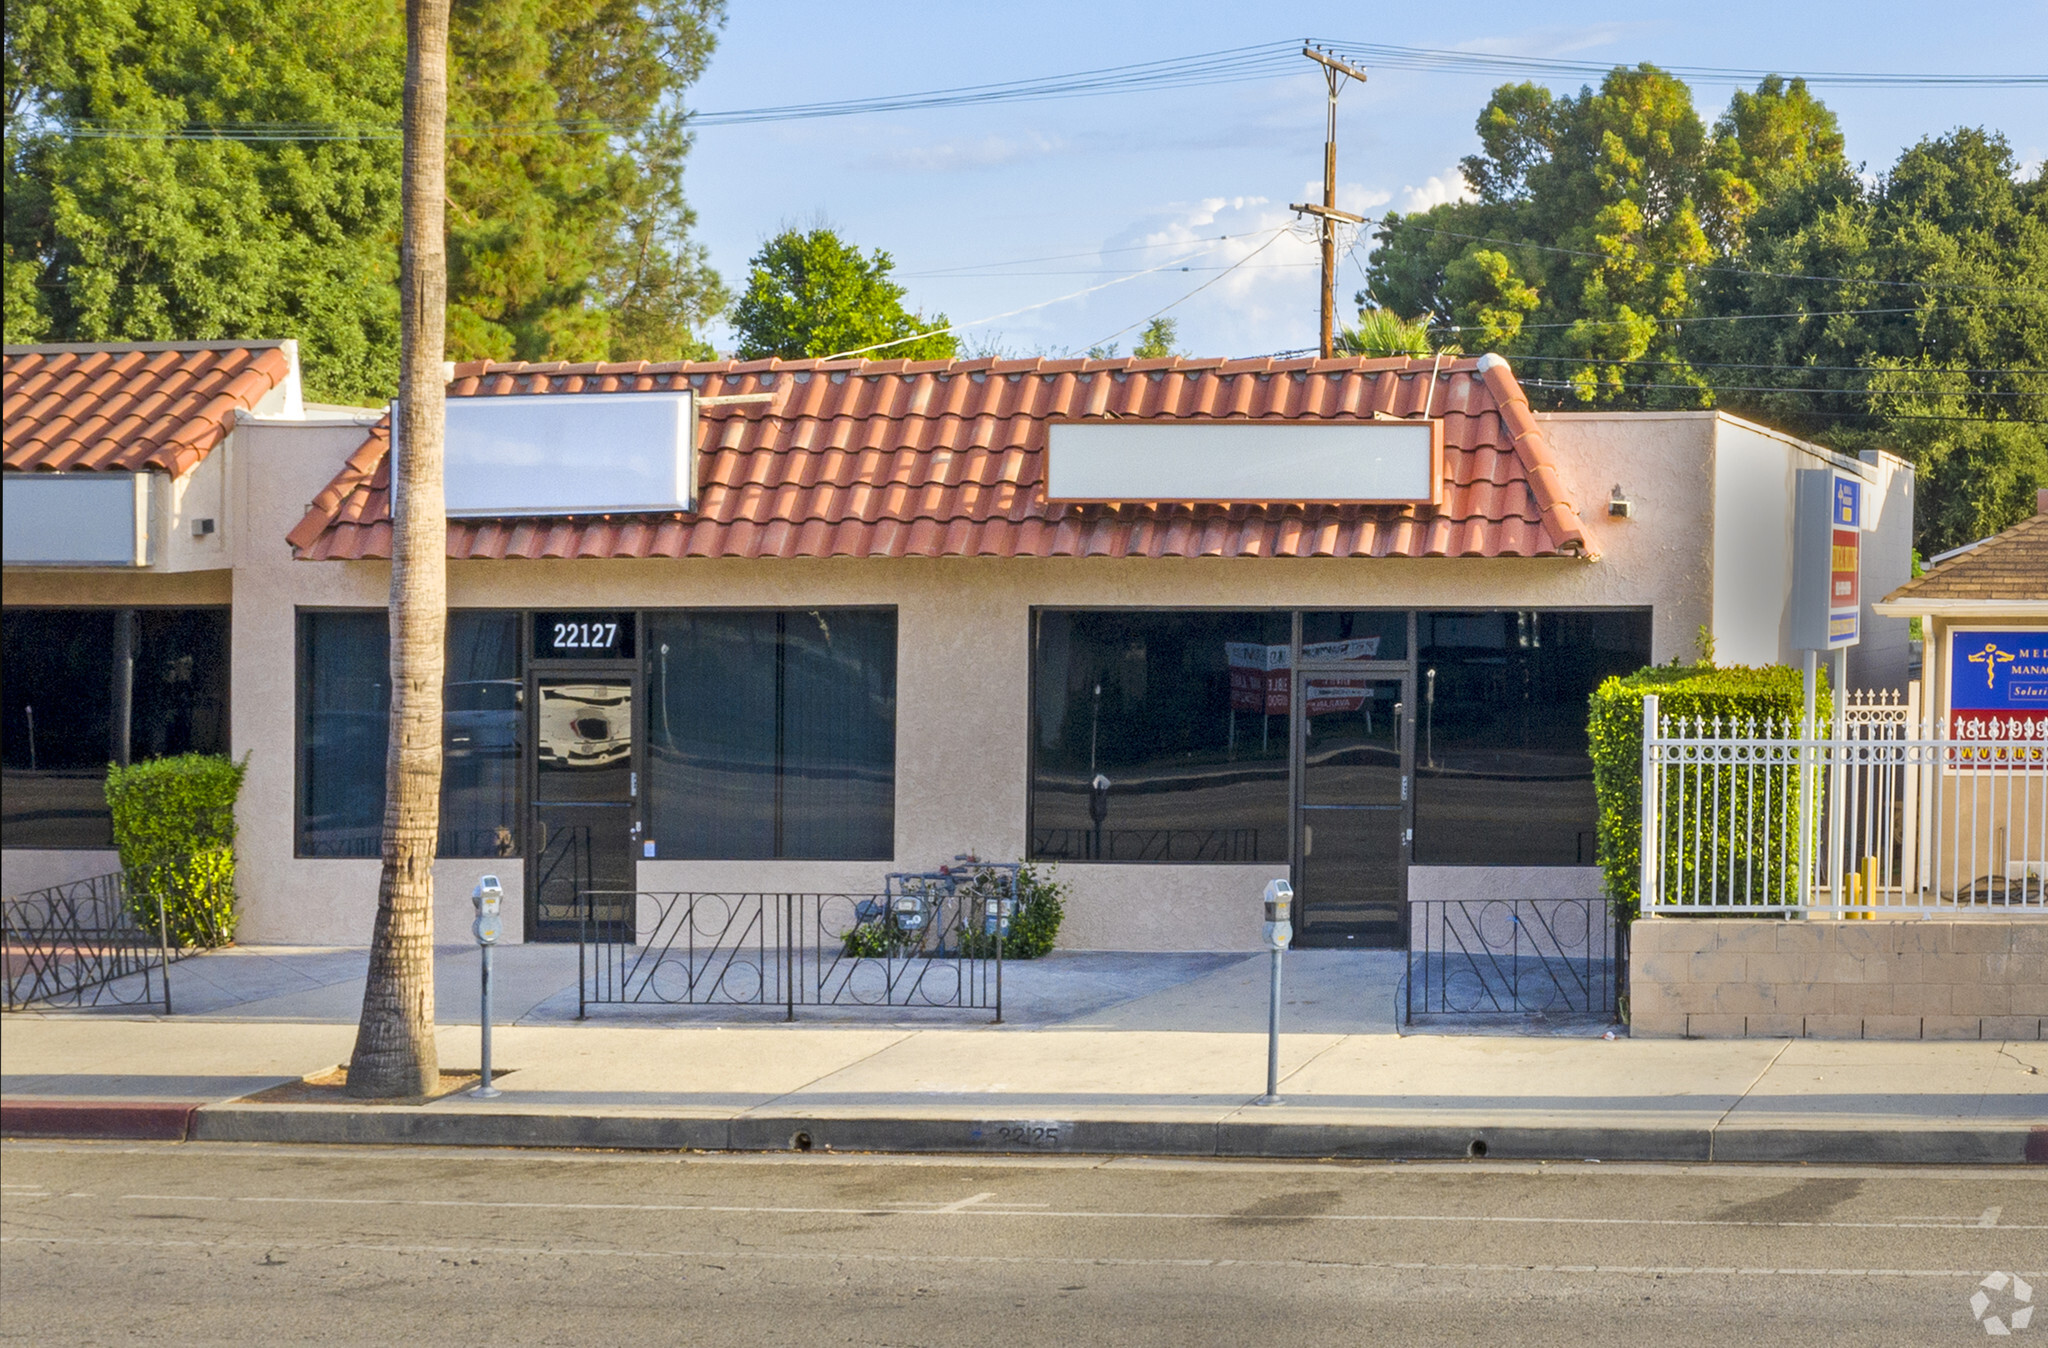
(1382, 333)
(810, 294)
(1613, 248)
(567, 239)
(1156, 340)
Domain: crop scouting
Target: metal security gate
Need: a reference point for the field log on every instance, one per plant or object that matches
(914, 946)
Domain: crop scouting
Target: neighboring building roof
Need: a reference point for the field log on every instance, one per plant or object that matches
(947, 459)
(2012, 566)
(131, 406)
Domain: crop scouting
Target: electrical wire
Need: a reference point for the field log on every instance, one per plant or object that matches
(1740, 318)
(1197, 290)
(1089, 290)
(1233, 65)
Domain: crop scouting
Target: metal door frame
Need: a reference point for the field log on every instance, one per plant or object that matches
(1401, 671)
(630, 672)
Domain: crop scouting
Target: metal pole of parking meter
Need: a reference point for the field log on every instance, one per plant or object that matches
(1279, 931)
(489, 899)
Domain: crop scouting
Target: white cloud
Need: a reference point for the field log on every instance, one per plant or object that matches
(952, 156)
(1435, 191)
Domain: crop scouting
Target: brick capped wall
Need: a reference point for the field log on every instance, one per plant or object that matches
(1711, 977)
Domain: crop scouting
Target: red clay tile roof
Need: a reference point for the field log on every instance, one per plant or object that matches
(2011, 565)
(947, 459)
(128, 407)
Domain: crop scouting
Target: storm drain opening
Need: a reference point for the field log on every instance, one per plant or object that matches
(1477, 1149)
(801, 1142)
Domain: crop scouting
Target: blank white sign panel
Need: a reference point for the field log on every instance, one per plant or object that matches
(570, 453)
(1395, 461)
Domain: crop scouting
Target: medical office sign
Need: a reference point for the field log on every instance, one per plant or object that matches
(1998, 686)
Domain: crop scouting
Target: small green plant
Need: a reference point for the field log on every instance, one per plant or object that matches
(174, 823)
(1034, 922)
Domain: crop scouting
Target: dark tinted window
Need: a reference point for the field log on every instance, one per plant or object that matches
(772, 733)
(344, 718)
(1185, 714)
(60, 722)
(1356, 634)
(1502, 775)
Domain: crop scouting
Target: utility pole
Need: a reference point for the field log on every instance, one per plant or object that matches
(1336, 72)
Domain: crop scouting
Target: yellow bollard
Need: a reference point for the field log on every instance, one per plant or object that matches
(1862, 891)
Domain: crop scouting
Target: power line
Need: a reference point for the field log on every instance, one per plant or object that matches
(1738, 318)
(1197, 290)
(1233, 65)
(1064, 257)
(1386, 224)
(1751, 365)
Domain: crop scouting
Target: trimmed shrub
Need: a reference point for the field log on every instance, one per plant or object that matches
(174, 823)
(1738, 695)
(1034, 926)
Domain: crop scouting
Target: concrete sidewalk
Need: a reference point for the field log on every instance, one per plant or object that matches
(1173, 1066)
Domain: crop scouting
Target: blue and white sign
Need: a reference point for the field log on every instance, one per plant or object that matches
(1998, 683)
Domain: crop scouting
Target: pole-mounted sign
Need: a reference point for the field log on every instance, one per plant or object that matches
(1827, 560)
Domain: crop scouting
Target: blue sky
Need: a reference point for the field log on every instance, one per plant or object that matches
(1102, 187)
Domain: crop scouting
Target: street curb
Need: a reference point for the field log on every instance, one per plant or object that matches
(114, 1120)
(1231, 1138)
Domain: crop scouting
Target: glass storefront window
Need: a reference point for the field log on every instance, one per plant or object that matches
(61, 726)
(1182, 714)
(344, 719)
(1501, 768)
(772, 733)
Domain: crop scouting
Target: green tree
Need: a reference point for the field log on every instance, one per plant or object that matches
(568, 233)
(1382, 332)
(810, 294)
(1156, 340)
(1594, 213)
(124, 235)
(1918, 314)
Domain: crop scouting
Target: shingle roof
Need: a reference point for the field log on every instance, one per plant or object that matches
(947, 459)
(127, 407)
(2011, 565)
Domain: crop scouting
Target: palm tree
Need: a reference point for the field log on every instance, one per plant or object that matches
(1382, 332)
(394, 1053)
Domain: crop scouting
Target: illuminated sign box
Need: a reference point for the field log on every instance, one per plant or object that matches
(1363, 462)
(570, 454)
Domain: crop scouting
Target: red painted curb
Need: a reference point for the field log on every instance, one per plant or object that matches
(127, 1120)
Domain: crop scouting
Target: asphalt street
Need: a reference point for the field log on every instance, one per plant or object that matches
(222, 1243)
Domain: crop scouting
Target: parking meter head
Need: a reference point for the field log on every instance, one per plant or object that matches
(1098, 798)
(488, 897)
(1279, 901)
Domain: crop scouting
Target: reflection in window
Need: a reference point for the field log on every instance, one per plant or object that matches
(772, 733)
(1183, 714)
(1502, 772)
(61, 722)
(344, 718)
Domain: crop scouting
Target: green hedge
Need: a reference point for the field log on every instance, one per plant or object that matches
(1615, 734)
(174, 823)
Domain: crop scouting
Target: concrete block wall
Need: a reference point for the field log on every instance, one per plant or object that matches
(1711, 977)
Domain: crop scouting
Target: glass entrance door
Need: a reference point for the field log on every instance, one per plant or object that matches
(586, 809)
(1352, 808)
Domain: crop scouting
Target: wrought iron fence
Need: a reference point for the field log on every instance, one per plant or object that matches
(1876, 816)
(1551, 957)
(933, 942)
(79, 944)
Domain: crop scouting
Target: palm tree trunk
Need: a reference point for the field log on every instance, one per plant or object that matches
(394, 1052)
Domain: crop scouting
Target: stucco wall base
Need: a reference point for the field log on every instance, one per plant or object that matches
(1761, 977)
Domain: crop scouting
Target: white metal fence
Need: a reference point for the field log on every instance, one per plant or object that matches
(1880, 813)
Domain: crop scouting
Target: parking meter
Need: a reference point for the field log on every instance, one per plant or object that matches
(489, 900)
(1279, 914)
(1098, 808)
(1279, 931)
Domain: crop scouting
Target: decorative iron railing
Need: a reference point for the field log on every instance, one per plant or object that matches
(924, 945)
(1872, 816)
(79, 944)
(1505, 957)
